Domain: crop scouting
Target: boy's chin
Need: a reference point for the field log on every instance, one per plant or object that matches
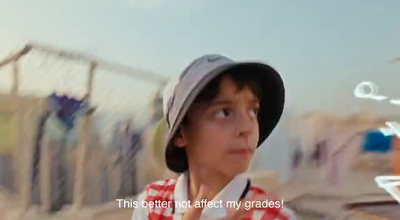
(236, 170)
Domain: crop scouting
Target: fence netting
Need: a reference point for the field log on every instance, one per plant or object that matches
(41, 136)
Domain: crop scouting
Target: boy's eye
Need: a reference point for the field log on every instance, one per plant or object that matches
(254, 112)
(223, 113)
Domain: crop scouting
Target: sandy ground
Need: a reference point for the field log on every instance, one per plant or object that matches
(121, 215)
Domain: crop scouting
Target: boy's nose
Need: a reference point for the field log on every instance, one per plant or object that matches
(245, 124)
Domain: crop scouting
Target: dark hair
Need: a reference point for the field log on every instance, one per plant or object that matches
(208, 94)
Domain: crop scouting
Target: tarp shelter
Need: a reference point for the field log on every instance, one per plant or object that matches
(344, 137)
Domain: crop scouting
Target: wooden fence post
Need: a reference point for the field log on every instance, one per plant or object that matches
(79, 185)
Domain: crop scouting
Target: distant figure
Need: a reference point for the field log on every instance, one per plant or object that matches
(127, 143)
(296, 160)
(319, 154)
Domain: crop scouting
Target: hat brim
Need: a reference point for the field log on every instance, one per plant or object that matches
(271, 106)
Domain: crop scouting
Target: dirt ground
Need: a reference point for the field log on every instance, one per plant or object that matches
(123, 214)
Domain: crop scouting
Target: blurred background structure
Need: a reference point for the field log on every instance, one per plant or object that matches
(69, 136)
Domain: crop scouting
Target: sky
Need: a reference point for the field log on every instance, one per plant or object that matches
(322, 49)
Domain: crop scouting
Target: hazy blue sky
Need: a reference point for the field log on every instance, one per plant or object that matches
(322, 48)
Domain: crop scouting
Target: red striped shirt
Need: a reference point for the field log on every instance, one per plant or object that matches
(163, 191)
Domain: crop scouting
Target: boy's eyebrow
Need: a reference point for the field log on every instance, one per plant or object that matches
(222, 102)
(255, 101)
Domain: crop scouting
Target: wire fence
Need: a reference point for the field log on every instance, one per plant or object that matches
(96, 159)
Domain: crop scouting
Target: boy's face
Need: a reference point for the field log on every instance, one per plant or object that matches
(222, 135)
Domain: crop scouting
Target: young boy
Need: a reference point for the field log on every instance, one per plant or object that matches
(219, 112)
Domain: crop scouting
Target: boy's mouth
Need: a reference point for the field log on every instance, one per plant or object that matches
(243, 152)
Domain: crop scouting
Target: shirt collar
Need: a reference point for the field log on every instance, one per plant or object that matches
(181, 192)
(231, 192)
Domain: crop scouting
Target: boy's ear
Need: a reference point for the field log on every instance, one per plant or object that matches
(179, 140)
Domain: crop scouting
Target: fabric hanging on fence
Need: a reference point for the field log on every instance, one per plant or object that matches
(127, 144)
(377, 142)
(129, 167)
(35, 189)
(61, 179)
(68, 108)
(64, 122)
(121, 139)
(61, 129)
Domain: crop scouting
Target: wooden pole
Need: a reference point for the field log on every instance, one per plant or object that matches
(29, 131)
(17, 129)
(15, 85)
(105, 65)
(15, 57)
(24, 135)
(79, 185)
(44, 174)
(21, 151)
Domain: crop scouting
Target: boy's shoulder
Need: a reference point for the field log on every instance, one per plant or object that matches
(166, 182)
(161, 188)
(257, 190)
(169, 184)
(165, 188)
(281, 213)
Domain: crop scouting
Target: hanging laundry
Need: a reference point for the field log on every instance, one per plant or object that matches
(68, 108)
(61, 131)
(377, 142)
(35, 189)
(127, 144)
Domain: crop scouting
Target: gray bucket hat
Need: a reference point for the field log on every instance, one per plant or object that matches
(182, 92)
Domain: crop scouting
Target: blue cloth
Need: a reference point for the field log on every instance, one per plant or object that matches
(377, 142)
(67, 108)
